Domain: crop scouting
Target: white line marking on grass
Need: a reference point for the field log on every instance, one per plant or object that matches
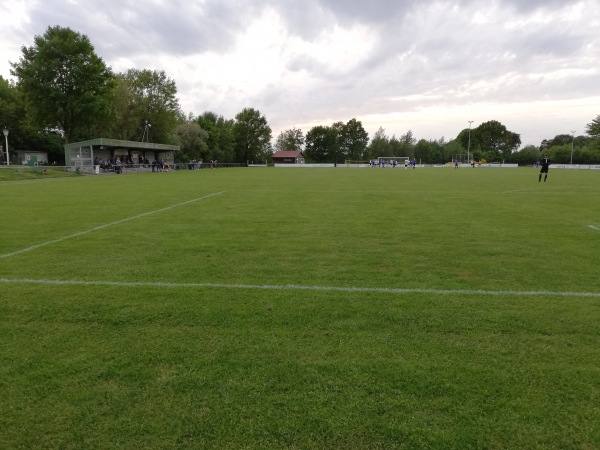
(515, 191)
(288, 287)
(81, 233)
(593, 227)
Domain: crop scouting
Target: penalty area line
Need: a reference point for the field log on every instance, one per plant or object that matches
(480, 292)
(106, 225)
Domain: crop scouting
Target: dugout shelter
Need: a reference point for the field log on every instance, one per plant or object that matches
(84, 153)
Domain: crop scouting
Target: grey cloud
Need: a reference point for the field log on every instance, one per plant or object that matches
(549, 43)
(430, 50)
(126, 28)
(304, 63)
(304, 19)
(373, 11)
(310, 18)
(533, 5)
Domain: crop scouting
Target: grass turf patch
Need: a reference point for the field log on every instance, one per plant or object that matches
(149, 366)
(114, 367)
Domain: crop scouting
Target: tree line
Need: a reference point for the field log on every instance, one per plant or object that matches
(65, 93)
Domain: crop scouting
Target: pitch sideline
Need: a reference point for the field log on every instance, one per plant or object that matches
(299, 288)
(106, 225)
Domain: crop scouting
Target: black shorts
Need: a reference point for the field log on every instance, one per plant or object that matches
(544, 169)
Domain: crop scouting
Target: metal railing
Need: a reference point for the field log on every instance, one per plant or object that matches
(19, 172)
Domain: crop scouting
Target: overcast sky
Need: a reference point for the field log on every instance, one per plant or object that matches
(419, 65)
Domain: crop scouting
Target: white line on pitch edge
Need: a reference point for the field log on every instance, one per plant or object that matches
(81, 233)
(299, 288)
(593, 227)
(518, 191)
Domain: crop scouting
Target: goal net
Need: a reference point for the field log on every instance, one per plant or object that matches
(461, 158)
(389, 160)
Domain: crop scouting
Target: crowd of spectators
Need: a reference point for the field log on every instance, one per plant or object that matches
(116, 164)
(194, 164)
(160, 166)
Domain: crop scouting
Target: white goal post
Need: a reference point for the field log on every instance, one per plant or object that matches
(378, 161)
(389, 159)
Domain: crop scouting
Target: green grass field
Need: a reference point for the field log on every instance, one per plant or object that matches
(268, 308)
(24, 173)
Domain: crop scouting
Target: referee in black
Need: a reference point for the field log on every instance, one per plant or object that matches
(545, 162)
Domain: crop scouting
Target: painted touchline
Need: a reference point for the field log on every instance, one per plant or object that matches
(106, 225)
(300, 288)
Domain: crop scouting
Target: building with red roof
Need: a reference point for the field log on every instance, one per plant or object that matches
(288, 157)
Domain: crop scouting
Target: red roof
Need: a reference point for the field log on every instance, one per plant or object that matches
(283, 154)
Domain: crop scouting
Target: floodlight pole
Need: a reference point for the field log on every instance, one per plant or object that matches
(146, 134)
(5, 131)
(469, 147)
(572, 146)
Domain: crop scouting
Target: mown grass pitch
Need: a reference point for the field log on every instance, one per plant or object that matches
(301, 308)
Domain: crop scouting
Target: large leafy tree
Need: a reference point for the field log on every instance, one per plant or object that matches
(527, 155)
(567, 148)
(290, 140)
(395, 147)
(192, 139)
(338, 142)
(12, 113)
(491, 139)
(67, 86)
(126, 125)
(558, 140)
(23, 134)
(431, 151)
(455, 147)
(146, 96)
(252, 136)
(221, 139)
(593, 130)
(406, 145)
(321, 144)
(380, 144)
(353, 140)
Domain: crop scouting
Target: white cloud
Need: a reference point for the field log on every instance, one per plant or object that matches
(428, 66)
(528, 119)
